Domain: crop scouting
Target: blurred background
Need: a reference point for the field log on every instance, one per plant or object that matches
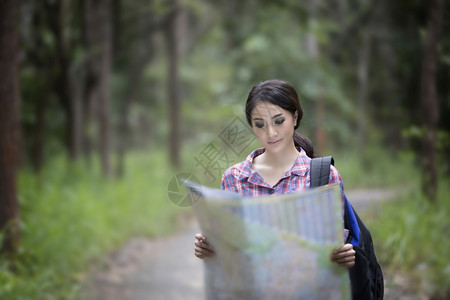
(103, 102)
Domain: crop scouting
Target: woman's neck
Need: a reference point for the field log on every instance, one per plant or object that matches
(281, 159)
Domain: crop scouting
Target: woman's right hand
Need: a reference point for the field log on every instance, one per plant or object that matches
(202, 247)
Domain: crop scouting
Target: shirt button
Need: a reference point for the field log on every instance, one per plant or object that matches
(271, 191)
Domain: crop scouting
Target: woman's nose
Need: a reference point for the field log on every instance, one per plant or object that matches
(271, 132)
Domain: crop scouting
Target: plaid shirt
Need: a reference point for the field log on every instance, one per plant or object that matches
(241, 178)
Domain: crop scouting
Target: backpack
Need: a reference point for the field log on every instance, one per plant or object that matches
(366, 277)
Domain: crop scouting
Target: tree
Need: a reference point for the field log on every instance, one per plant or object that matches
(363, 85)
(428, 99)
(133, 51)
(99, 56)
(49, 47)
(57, 14)
(173, 35)
(9, 126)
(314, 51)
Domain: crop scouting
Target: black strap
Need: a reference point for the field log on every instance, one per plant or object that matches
(366, 276)
(320, 173)
(319, 170)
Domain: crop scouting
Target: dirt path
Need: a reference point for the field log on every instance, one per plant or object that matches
(162, 268)
(165, 268)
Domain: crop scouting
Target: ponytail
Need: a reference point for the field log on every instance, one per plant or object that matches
(305, 143)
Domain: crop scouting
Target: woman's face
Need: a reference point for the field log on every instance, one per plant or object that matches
(273, 126)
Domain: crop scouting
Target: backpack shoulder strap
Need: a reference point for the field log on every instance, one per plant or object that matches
(319, 170)
(320, 173)
(366, 277)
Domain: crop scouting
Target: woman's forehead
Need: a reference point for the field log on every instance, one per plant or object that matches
(266, 110)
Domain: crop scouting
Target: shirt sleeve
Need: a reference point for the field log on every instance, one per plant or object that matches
(335, 177)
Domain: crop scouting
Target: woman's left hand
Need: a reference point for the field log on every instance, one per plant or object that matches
(344, 256)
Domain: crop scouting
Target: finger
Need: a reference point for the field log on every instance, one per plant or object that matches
(206, 253)
(200, 237)
(347, 247)
(206, 248)
(198, 254)
(345, 260)
(338, 255)
(344, 248)
(204, 245)
(347, 265)
(200, 245)
(342, 256)
(348, 261)
(203, 253)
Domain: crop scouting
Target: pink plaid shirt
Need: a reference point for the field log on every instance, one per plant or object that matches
(241, 178)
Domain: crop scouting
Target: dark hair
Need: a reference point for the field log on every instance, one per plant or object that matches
(282, 94)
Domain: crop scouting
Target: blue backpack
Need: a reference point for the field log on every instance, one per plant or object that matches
(366, 277)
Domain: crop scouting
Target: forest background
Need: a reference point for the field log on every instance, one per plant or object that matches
(103, 102)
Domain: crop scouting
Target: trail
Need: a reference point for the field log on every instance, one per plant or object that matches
(166, 268)
(161, 268)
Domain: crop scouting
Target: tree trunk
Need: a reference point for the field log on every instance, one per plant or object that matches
(429, 104)
(363, 80)
(9, 127)
(99, 48)
(124, 126)
(132, 82)
(230, 23)
(105, 95)
(57, 16)
(37, 146)
(173, 83)
(77, 88)
(312, 47)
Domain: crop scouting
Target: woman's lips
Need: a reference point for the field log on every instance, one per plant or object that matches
(274, 142)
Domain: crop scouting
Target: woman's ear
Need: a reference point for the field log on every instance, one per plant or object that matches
(295, 116)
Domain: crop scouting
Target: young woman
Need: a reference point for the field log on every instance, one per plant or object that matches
(282, 164)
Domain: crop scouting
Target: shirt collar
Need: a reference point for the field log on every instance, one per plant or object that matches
(300, 166)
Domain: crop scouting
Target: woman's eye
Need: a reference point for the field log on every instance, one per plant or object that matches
(259, 125)
(279, 122)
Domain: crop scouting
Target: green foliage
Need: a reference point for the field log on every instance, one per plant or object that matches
(411, 235)
(378, 167)
(70, 218)
(409, 232)
(226, 48)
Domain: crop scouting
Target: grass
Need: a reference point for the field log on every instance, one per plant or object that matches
(71, 217)
(410, 233)
(411, 237)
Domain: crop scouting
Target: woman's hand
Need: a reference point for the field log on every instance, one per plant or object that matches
(344, 256)
(202, 247)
